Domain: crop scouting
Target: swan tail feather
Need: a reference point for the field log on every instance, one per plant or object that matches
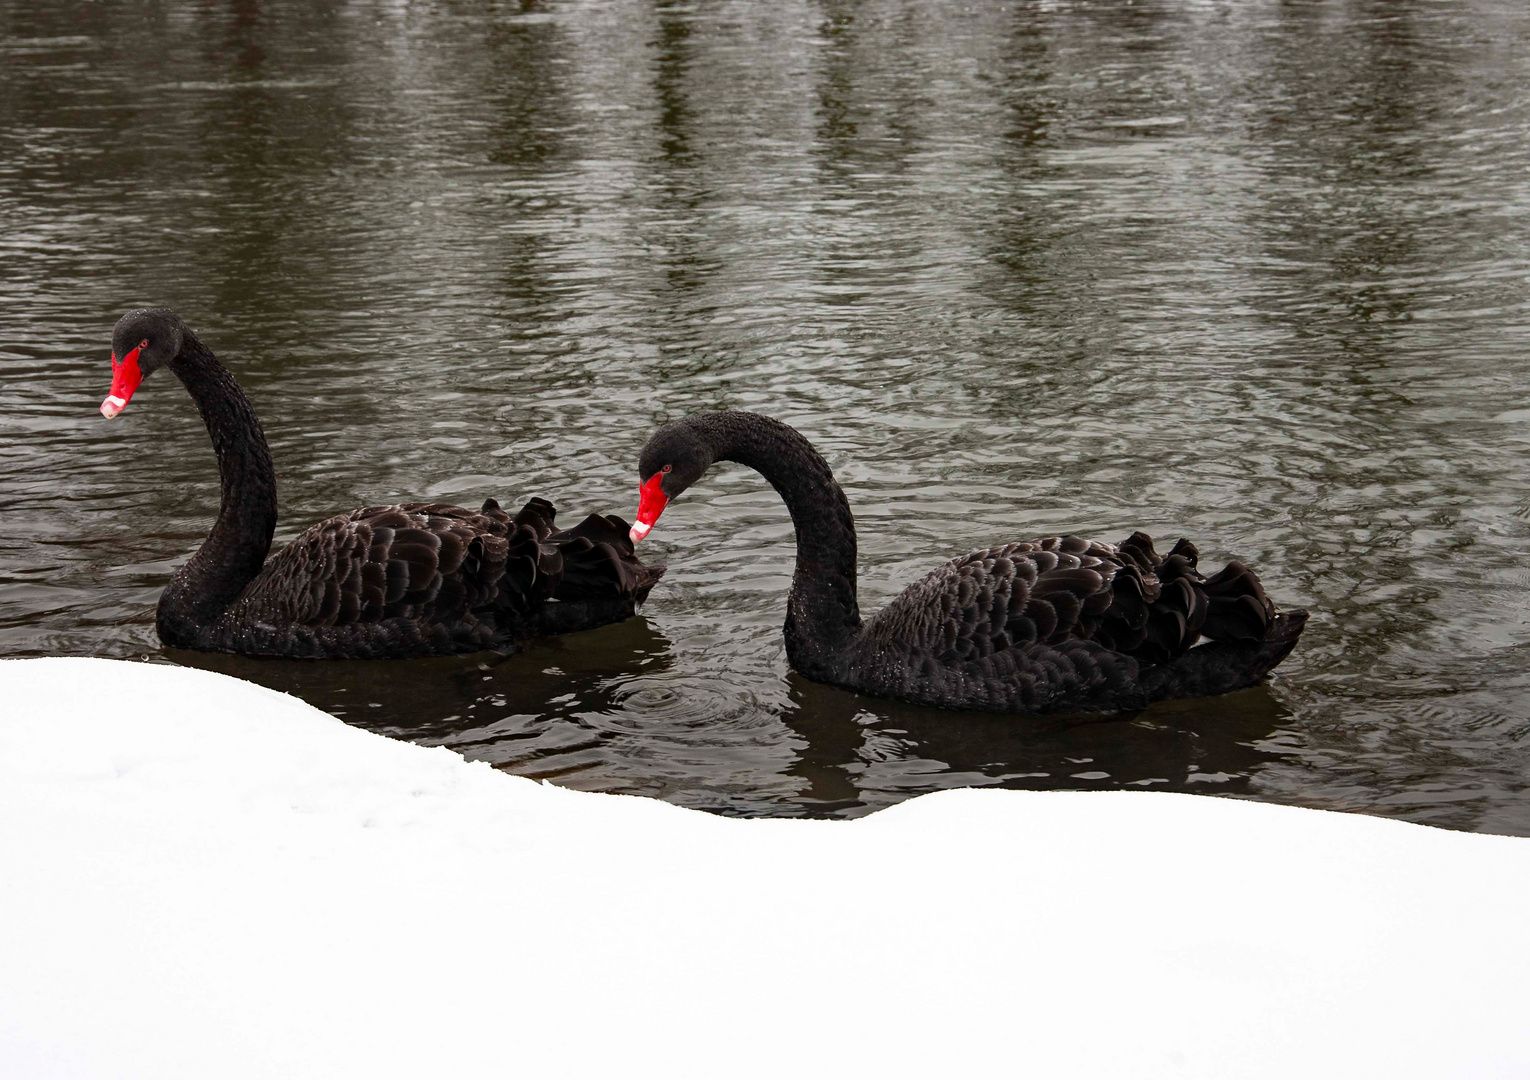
(600, 563)
(1222, 665)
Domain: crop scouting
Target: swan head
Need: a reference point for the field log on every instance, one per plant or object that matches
(674, 459)
(143, 341)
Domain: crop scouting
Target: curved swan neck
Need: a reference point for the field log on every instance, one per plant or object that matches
(236, 548)
(822, 614)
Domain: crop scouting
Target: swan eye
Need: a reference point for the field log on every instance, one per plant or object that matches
(666, 468)
(144, 344)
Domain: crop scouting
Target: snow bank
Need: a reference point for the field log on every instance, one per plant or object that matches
(203, 878)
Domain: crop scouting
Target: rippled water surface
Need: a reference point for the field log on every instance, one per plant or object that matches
(1254, 273)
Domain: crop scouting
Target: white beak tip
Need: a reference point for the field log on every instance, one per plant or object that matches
(638, 531)
(112, 406)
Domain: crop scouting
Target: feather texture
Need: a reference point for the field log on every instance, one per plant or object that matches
(420, 578)
(1059, 622)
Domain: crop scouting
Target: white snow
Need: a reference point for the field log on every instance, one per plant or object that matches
(207, 879)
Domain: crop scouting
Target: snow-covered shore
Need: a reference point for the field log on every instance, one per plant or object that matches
(203, 878)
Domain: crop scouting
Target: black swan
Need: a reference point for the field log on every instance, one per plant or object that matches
(1053, 625)
(414, 579)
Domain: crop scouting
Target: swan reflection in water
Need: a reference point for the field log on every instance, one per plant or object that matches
(861, 754)
(620, 709)
(469, 703)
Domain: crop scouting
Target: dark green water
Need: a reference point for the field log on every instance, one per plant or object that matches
(1254, 273)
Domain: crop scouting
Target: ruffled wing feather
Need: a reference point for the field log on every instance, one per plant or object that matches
(435, 564)
(1127, 599)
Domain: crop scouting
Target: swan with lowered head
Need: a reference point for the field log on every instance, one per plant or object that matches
(412, 579)
(1059, 624)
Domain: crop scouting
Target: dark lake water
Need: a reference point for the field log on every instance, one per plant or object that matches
(1254, 273)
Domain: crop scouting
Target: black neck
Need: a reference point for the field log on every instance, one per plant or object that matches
(236, 548)
(822, 615)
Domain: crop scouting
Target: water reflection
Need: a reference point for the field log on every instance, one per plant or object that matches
(472, 703)
(862, 753)
(572, 709)
(1256, 274)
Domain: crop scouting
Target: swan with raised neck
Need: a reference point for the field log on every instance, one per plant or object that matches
(411, 579)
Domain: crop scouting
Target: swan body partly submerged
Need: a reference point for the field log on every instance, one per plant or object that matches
(1058, 624)
(411, 579)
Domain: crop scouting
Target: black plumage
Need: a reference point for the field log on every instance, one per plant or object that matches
(413, 579)
(1059, 624)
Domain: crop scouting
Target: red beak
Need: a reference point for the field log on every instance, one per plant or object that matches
(125, 379)
(651, 503)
